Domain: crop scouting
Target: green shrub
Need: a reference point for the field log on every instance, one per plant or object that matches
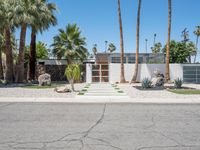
(146, 83)
(178, 83)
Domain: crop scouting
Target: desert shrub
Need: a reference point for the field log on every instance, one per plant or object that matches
(146, 83)
(178, 83)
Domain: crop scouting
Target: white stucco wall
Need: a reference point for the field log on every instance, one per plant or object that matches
(145, 70)
(88, 73)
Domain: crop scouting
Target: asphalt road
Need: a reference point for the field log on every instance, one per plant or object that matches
(61, 126)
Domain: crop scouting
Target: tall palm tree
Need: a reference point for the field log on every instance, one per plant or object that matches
(197, 33)
(70, 44)
(134, 79)
(25, 14)
(43, 20)
(7, 16)
(122, 77)
(2, 46)
(167, 73)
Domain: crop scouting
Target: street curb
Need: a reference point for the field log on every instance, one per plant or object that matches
(100, 100)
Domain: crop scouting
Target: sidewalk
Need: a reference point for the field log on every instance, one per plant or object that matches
(102, 100)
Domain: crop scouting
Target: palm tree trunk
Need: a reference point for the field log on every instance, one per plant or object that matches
(72, 84)
(197, 41)
(20, 65)
(134, 79)
(122, 78)
(1, 63)
(1, 66)
(167, 74)
(9, 75)
(32, 56)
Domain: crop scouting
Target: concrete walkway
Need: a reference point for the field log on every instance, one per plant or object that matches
(103, 90)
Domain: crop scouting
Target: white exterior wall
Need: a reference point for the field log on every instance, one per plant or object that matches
(88, 73)
(145, 70)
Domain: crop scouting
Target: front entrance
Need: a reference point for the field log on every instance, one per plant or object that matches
(100, 73)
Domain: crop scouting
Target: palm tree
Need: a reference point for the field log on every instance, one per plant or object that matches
(25, 14)
(137, 43)
(122, 77)
(43, 19)
(94, 49)
(111, 48)
(70, 44)
(167, 74)
(197, 33)
(2, 46)
(7, 16)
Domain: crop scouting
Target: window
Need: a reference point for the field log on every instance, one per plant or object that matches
(131, 60)
(117, 60)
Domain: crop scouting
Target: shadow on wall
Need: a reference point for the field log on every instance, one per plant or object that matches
(154, 67)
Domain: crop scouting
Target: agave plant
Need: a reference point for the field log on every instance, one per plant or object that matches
(178, 83)
(146, 83)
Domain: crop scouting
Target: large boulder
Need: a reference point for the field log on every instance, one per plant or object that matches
(158, 79)
(44, 80)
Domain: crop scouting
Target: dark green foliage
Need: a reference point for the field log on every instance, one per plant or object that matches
(181, 51)
(157, 48)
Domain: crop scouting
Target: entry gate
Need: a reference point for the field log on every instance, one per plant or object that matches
(100, 73)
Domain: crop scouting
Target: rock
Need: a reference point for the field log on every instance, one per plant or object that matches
(44, 80)
(157, 73)
(158, 79)
(63, 89)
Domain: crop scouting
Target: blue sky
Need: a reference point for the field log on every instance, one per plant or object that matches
(98, 21)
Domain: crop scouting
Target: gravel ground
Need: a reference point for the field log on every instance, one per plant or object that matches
(20, 92)
(36, 93)
(136, 93)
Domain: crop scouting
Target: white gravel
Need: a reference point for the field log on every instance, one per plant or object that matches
(20, 92)
(136, 93)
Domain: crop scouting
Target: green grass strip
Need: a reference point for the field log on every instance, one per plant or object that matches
(186, 92)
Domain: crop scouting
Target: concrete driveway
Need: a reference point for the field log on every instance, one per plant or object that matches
(62, 126)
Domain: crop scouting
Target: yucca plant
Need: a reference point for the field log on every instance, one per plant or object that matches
(73, 74)
(146, 83)
(178, 83)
